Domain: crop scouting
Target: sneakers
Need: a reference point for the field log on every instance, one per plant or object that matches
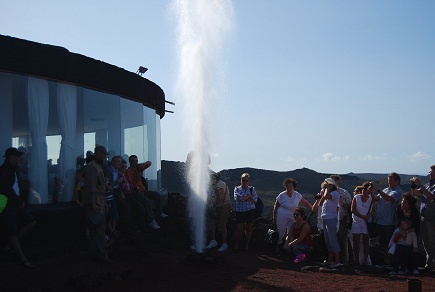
(415, 272)
(401, 273)
(154, 225)
(163, 215)
(212, 244)
(300, 258)
(392, 273)
(223, 247)
(337, 265)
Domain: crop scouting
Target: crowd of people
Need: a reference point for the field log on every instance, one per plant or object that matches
(109, 193)
(115, 198)
(344, 222)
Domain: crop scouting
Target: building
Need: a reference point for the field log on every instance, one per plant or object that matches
(56, 105)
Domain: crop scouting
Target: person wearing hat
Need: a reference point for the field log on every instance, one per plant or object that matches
(15, 218)
(344, 217)
(329, 202)
(94, 202)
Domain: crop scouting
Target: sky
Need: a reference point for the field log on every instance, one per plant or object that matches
(334, 86)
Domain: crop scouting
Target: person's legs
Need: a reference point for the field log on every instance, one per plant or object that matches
(428, 237)
(281, 225)
(330, 226)
(343, 234)
(155, 198)
(356, 241)
(238, 234)
(139, 211)
(385, 232)
(222, 222)
(97, 240)
(366, 246)
(147, 204)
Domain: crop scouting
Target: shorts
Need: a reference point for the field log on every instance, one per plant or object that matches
(13, 219)
(245, 217)
(359, 227)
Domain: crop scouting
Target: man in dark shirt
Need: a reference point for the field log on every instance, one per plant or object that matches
(15, 219)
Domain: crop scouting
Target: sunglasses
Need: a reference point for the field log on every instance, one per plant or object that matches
(296, 214)
(245, 180)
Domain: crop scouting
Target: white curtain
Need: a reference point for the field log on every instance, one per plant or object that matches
(38, 107)
(67, 111)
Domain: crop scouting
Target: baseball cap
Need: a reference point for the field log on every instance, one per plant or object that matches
(13, 152)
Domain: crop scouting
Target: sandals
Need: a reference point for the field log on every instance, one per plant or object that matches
(27, 264)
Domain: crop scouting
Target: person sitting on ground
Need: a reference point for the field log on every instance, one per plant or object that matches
(299, 243)
(362, 208)
(220, 205)
(15, 218)
(139, 183)
(141, 205)
(285, 204)
(406, 246)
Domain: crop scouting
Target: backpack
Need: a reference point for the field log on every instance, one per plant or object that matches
(259, 206)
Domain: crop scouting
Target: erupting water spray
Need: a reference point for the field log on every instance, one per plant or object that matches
(202, 26)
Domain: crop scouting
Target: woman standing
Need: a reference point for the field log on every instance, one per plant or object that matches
(362, 209)
(245, 198)
(285, 205)
(330, 200)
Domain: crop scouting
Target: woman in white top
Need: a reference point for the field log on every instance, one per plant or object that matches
(285, 205)
(330, 200)
(362, 209)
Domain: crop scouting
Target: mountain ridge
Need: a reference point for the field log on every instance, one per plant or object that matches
(268, 183)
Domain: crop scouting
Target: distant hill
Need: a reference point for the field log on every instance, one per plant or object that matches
(268, 183)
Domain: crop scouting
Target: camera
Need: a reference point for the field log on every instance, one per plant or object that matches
(317, 197)
(413, 185)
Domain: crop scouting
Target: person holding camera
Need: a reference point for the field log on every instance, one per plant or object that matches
(344, 217)
(427, 215)
(362, 209)
(329, 202)
(285, 205)
(387, 201)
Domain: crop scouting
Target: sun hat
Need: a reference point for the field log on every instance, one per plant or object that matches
(330, 181)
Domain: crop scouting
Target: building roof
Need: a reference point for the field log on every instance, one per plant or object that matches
(57, 63)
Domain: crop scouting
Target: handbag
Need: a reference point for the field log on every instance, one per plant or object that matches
(271, 236)
(371, 224)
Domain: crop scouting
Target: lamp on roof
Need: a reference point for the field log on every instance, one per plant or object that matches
(141, 70)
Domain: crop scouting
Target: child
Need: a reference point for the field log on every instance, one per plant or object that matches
(406, 244)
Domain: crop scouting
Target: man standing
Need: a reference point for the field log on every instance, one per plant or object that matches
(94, 201)
(344, 218)
(387, 201)
(427, 223)
(15, 218)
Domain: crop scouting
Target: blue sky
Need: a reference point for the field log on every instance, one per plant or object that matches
(335, 86)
